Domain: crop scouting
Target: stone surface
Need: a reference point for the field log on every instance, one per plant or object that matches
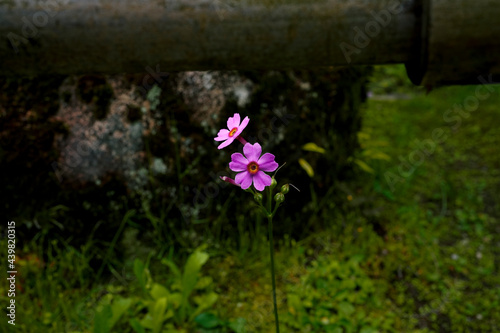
(91, 143)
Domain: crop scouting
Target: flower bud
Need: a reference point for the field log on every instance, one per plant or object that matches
(285, 189)
(273, 183)
(258, 197)
(279, 197)
(229, 180)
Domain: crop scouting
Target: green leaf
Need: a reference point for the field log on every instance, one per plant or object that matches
(147, 321)
(102, 319)
(376, 155)
(173, 267)
(238, 326)
(346, 309)
(311, 146)
(191, 271)
(204, 302)
(158, 291)
(140, 274)
(189, 278)
(175, 300)
(208, 320)
(363, 136)
(136, 325)
(307, 167)
(118, 308)
(204, 282)
(364, 166)
(158, 315)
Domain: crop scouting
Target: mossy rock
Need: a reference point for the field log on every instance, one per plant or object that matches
(288, 109)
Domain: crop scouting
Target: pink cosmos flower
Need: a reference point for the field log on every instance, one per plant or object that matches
(235, 129)
(251, 167)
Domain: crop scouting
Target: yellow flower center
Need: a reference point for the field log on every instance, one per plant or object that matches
(253, 167)
(233, 131)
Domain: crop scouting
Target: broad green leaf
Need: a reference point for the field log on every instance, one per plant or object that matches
(208, 320)
(364, 166)
(147, 321)
(159, 310)
(307, 167)
(204, 282)
(204, 302)
(158, 291)
(140, 274)
(136, 325)
(175, 300)
(102, 319)
(169, 314)
(118, 308)
(191, 271)
(311, 146)
(189, 278)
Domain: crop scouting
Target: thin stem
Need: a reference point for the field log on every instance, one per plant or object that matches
(275, 209)
(271, 251)
(240, 139)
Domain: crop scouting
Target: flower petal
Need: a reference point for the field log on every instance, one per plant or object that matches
(238, 162)
(222, 135)
(244, 179)
(234, 121)
(226, 143)
(267, 163)
(252, 152)
(261, 180)
(242, 126)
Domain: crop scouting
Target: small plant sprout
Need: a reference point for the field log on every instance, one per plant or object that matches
(233, 132)
(251, 170)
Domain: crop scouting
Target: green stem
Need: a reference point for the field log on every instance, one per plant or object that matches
(271, 251)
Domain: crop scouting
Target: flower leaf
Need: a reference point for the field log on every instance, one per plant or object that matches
(364, 166)
(307, 167)
(311, 146)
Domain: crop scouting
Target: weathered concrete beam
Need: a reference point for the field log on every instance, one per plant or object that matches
(460, 40)
(115, 36)
(439, 39)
